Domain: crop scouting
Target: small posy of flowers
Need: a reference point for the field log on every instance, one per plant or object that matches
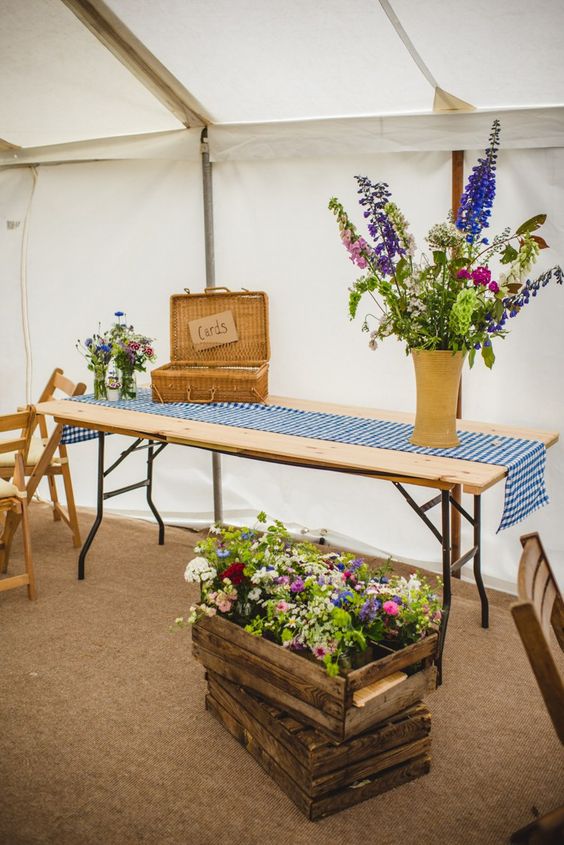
(97, 350)
(326, 606)
(463, 294)
(130, 350)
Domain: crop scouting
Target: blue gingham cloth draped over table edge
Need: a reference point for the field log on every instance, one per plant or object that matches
(525, 460)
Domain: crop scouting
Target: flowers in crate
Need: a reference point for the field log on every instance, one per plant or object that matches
(326, 606)
(460, 297)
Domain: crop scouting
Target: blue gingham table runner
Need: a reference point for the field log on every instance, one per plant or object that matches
(525, 460)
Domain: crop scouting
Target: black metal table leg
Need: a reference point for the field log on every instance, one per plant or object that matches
(447, 592)
(156, 514)
(147, 483)
(478, 561)
(99, 507)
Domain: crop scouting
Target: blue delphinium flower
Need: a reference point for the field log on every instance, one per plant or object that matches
(477, 200)
(369, 609)
(342, 598)
(223, 553)
(387, 245)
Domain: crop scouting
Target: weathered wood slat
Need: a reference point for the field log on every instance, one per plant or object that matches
(315, 807)
(362, 696)
(330, 725)
(407, 656)
(407, 726)
(298, 666)
(303, 688)
(248, 663)
(313, 751)
(389, 779)
(398, 698)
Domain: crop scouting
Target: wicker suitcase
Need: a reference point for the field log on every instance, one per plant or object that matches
(236, 371)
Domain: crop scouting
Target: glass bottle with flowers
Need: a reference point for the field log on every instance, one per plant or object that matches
(98, 351)
(131, 352)
(446, 305)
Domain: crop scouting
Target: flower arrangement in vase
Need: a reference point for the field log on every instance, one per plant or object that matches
(127, 351)
(130, 352)
(326, 606)
(98, 352)
(450, 303)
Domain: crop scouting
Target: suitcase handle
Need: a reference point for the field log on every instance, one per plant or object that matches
(214, 289)
(201, 401)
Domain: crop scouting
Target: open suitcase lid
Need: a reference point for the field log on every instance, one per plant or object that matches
(202, 318)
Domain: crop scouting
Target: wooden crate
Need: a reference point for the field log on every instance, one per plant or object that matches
(340, 707)
(322, 777)
(232, 372)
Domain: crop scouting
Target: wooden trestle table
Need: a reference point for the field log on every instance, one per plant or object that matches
(400, 468)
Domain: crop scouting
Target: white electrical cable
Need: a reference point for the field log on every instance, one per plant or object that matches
(24, 292)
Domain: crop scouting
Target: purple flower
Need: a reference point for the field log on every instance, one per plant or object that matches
(223, 552)
(387, 245)
(481, 276)
(356, 564)
(369, 609)
(297, 586)
(477, 200)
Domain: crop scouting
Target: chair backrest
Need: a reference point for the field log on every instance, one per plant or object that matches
(24, 422)
(539, 608)
(58, 381)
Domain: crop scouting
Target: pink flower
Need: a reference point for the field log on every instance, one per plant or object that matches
(149, 351)
(494, 287)
(463, 274)
(481, 276)
(283, 579)
(320, 651)
(282, 606)
(224, 606)
(391, 608)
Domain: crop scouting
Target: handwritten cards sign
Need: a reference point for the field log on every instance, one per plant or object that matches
(215, 330)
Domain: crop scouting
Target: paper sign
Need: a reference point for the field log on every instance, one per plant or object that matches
(215, 330)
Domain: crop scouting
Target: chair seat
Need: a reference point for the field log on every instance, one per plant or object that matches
(8, 489)
(8, 459)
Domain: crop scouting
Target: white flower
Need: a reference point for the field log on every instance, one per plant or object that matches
(255, 594)
(215, 529)
(198, 570)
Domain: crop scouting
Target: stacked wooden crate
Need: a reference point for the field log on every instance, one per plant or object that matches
(329, 742)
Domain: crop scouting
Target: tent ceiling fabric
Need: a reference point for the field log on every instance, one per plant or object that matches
(59, 84)
(308, 59)
(281, 77)
(259, 60)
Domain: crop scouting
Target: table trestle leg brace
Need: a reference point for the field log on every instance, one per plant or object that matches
(446, 500)
(152, 452)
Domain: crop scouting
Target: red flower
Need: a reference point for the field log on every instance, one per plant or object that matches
(234, 573)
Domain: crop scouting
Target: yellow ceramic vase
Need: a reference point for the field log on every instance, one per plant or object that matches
(437, 378)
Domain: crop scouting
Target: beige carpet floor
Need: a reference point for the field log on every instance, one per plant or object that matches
(104, 737)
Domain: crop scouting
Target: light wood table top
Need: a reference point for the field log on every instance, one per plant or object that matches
(425, 470)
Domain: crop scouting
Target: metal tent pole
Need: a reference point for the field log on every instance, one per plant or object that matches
(210, 283)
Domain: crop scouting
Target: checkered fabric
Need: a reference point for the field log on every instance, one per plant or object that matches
(525, 489)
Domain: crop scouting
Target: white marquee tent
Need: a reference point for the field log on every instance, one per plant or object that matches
(101, 208)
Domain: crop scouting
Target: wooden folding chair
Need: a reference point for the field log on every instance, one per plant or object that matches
(540, 608)
(57, 465)
(13, 496)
